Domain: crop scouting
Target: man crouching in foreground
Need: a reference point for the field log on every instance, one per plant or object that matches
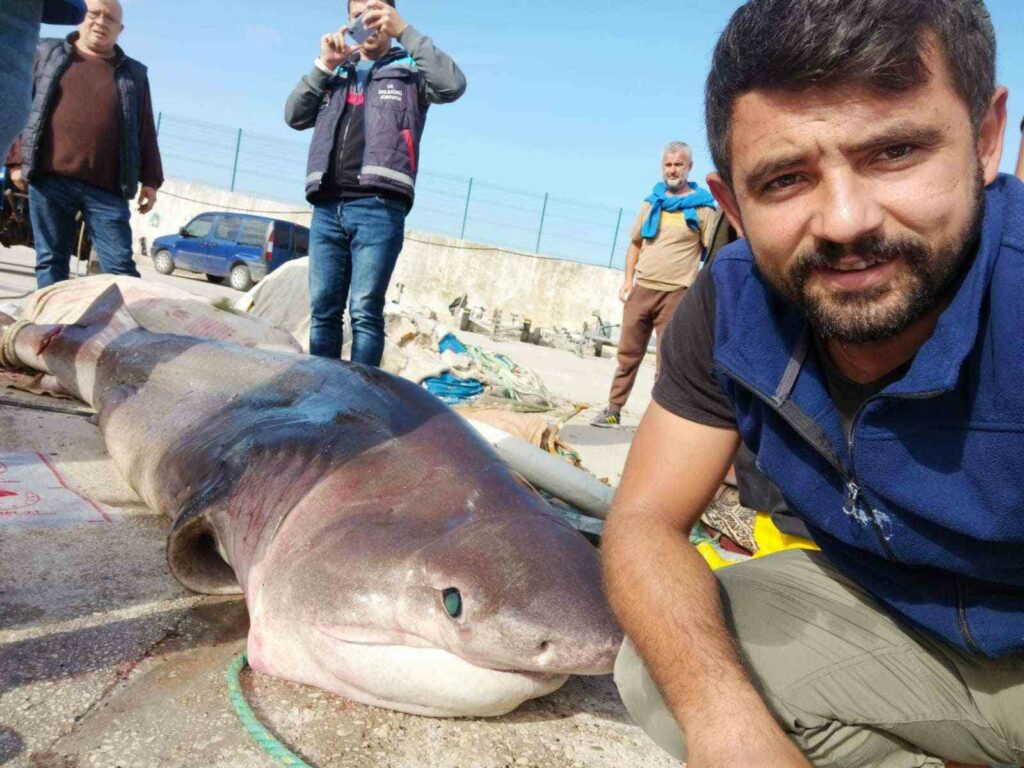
(864, 340)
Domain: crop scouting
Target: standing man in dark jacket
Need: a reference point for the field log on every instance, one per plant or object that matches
(367, 106)
(89, 143)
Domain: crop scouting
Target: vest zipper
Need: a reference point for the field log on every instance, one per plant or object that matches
(853, 502)
(853, 492)
(961, 618)
(853, 456)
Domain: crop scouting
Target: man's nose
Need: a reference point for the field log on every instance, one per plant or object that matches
(847, 210)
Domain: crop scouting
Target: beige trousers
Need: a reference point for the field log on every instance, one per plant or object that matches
(851, 685)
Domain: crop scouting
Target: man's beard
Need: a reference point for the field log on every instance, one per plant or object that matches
(880, 312)
(675, 184)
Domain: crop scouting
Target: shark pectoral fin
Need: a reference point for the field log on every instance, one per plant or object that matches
(194, 558)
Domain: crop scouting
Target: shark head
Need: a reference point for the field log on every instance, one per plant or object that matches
(440, 615)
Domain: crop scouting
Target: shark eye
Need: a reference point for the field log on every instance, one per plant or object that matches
(453, 602)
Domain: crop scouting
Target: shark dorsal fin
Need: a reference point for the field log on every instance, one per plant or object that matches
(108, 311)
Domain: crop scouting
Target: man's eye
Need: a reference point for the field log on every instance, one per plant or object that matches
(782, 182)
(898, 152)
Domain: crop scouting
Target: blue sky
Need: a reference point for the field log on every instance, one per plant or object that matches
(571, 98)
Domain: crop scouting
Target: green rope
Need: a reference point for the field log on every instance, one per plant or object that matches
(268, 743)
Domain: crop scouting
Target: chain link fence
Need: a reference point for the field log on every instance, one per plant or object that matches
(446, 204)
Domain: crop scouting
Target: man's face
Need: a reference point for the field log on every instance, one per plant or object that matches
(860, 207)
(675, 170)
(376, 45)
(102, 25)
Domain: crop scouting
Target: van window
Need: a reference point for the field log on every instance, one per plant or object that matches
(199, 226)
(227, 228)
(301, 241)
(253, 233)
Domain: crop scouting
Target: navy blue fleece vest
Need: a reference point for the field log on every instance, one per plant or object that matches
(924, 506)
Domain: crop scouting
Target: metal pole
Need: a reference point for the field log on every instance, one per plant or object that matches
(159, 119)
(543, 213)
(615, 240)
(465, 214)
(238, 148)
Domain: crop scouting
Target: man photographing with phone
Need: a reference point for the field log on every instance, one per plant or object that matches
(366, 100)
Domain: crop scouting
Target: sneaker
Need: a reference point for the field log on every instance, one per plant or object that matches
(607, 418)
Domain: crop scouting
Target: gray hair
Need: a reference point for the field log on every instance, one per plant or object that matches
(879, 44)
(678, 146)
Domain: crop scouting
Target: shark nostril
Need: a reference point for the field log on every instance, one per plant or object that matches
(543, 647)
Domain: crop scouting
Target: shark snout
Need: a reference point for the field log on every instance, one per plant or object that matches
(527, 598)
(577, 655)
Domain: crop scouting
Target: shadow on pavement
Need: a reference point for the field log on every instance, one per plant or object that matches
(118, 644)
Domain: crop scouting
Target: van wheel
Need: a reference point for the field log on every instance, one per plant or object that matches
(163, 262)
(215, 279)
(240, 279)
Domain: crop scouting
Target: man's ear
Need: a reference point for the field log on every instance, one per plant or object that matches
(991, 134)
(726, 200)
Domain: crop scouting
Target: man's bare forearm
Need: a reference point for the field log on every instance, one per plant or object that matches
(632, 257)
(668, 603)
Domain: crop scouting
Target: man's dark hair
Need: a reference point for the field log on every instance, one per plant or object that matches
(794, 44)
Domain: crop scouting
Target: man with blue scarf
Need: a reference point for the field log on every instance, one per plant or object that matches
(672, 230)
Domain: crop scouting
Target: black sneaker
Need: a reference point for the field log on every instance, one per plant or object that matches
(607, 418)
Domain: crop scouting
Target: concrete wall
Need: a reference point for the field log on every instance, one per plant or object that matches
(434, 270)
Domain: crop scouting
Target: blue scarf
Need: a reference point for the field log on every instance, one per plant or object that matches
(660, 201)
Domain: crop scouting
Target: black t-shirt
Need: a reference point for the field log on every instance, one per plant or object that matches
(686, 385)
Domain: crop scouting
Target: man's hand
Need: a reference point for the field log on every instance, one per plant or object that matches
(333, 48)
(382, 17)
(18, 178)
(147, 199)
(625, 290)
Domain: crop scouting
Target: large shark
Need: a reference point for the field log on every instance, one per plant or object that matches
(386, 554)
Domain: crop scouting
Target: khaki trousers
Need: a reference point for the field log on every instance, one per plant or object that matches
(852, 686)
(646, 311)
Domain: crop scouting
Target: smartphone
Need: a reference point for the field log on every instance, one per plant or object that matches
(360, 33)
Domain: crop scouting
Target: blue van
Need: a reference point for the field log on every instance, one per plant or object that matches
(238, 246)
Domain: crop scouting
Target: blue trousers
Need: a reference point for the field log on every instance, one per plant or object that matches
(53, 202)
(19, 36)
(353, 247)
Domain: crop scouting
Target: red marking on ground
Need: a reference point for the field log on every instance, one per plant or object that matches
(6, 494)
(63, 484)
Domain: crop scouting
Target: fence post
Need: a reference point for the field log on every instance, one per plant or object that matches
(159, 119)
(234, 171)
(543, 213)
(465, 213)
(615, 240)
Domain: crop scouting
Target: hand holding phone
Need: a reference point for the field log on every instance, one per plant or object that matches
(333, 48)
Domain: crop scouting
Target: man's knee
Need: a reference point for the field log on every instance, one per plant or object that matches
(644, 703)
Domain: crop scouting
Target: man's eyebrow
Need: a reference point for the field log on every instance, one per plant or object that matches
(900, 133)
(891, 135)
(770, 167)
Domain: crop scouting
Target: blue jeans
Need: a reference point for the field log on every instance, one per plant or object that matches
(19, 36)
(53, 203)
(353, 247)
